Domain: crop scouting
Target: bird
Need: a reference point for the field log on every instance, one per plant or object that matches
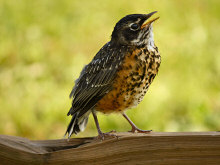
(118, 76)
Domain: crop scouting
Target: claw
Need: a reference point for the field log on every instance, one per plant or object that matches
(102, 136)
(134, 129)
(112, 131)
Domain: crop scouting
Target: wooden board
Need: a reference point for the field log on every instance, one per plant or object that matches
(185, 148)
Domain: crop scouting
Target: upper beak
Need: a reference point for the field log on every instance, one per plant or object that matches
(147, 16)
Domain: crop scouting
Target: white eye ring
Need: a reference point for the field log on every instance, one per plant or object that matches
(134, 26)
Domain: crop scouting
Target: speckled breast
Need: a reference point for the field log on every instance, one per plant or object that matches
(132, 81)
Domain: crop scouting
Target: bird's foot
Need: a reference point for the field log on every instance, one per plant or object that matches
(112, 131)
(110, 134)
(135, 129)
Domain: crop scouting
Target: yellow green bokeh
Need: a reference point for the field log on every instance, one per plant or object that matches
(44, 44)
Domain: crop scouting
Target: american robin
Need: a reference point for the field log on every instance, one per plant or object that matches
(119, 75)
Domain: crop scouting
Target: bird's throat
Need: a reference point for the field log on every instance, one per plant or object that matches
(150, 39)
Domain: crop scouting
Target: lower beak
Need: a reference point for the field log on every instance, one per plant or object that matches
(150, 21)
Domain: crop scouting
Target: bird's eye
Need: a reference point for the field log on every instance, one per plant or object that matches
(134, 26)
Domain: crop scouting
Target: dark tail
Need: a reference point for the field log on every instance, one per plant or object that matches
(77, 124)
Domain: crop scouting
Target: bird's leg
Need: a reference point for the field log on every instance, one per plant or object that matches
(134, 127)
(97, 123)
(101, 135)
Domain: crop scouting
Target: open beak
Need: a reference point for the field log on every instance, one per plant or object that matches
(150, 21)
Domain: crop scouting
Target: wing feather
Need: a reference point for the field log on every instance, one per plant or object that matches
(96, 79)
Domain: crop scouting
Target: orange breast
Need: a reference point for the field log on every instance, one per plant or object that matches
(131, 82)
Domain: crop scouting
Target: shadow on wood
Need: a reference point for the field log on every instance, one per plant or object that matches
(154, 148)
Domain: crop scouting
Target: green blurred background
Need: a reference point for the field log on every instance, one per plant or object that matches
(45, 44)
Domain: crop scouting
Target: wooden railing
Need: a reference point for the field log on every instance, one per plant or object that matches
(186, 148)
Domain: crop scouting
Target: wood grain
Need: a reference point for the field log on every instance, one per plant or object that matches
(154, 148)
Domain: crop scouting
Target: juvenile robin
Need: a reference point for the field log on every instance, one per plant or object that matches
(119, 75)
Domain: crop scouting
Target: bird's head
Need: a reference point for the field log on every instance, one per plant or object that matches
(134, 29)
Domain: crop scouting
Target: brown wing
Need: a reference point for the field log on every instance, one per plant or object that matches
(96, 79)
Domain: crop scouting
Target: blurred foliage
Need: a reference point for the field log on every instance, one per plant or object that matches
(44, 44)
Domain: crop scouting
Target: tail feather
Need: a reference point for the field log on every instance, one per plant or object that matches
(77, 124)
